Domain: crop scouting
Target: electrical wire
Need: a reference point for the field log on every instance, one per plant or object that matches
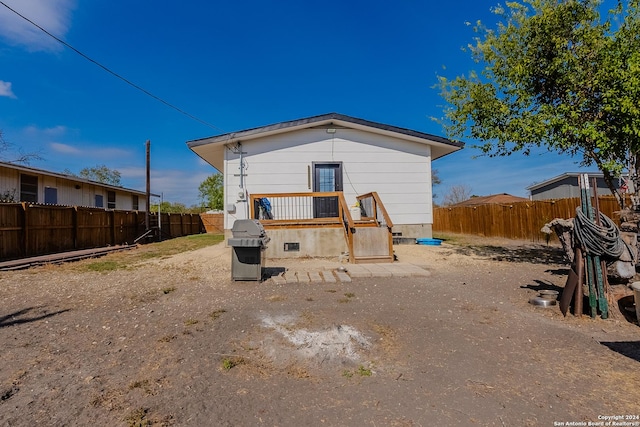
(113, 73)
(349, 179)
(601, 240)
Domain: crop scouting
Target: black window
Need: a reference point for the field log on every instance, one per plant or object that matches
(111, 199)
(134, 202)
(29, 188)
(99, 202)
(50, 195)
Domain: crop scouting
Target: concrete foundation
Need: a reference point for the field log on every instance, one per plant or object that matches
(322, 242)
(414, 230)
(305, 243)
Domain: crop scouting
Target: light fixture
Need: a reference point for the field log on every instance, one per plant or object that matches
(331, 130)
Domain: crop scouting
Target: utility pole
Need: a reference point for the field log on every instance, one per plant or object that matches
(147, 216)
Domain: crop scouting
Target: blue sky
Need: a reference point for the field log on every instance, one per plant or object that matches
(234, 65)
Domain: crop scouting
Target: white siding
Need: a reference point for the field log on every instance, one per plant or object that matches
(67, 193)
(399, 171)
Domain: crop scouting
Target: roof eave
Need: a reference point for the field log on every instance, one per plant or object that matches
(560, 178)
(72, 178)
(443, 145)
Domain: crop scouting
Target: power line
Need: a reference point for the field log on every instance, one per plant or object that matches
(113, 73)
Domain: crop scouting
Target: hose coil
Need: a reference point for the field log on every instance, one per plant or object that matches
(601, 240)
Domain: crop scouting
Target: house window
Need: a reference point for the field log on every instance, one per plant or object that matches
(51, 195)
(111, 199)
(134, 202)
(29, 188)
(99, 202)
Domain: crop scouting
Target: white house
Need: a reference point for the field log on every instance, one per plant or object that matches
(330, 152)
(26, 184)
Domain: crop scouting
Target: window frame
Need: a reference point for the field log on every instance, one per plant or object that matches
(30, 193)
(111, 199)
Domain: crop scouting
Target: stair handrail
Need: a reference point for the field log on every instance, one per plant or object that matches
(348, 223)
(377, 202)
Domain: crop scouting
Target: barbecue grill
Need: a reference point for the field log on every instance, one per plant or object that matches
(248, 245)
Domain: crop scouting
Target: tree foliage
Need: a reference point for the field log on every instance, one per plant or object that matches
(101, 173)
(168, 207)
(435, 178)
(8, 196)
(211, 192)
(174, 207)
(555, 74)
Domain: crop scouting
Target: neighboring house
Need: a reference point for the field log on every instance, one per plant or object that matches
(26, 184)
(500, 199)
(565, 186)
(326, 153)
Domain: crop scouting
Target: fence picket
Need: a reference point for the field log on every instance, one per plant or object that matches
(32, 230)
(521, 221)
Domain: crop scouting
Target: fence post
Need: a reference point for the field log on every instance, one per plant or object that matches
(112, 214)
(74, 220)
(25, 230)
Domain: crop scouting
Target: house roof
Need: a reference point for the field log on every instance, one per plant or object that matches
(212, 149)
(28, 169)
(502, 198)
(564, 176)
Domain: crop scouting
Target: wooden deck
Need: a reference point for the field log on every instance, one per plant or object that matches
(369, 238)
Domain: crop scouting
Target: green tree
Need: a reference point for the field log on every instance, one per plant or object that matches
(555, 75)
(101, 173)
(211, 192)
(168, 207)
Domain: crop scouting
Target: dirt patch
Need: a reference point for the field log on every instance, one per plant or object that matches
(176, 342)
(335, 345)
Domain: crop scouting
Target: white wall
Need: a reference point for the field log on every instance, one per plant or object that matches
(67, 193)
(399, 171)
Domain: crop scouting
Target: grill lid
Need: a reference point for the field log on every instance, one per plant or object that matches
(248, 228)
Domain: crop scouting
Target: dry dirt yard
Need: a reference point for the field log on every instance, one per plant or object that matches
(174, 341)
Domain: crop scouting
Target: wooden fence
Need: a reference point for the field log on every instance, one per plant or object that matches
(213, 223)
(521, 221)
(30, 230)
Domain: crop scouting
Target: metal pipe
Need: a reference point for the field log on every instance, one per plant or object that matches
(241, 165)
(586, 210)
(579, 292)
(600, 271)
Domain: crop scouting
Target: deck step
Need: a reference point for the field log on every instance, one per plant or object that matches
(373, 259)
(360, 224)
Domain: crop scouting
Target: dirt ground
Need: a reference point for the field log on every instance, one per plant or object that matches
(176, 342)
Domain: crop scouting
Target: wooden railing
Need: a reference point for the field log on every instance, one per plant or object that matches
(329, 209)
(348, 225)
(304, 210)
(373, 210)
(373, 245)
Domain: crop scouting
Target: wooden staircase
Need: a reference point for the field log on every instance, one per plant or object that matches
(370, 239)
